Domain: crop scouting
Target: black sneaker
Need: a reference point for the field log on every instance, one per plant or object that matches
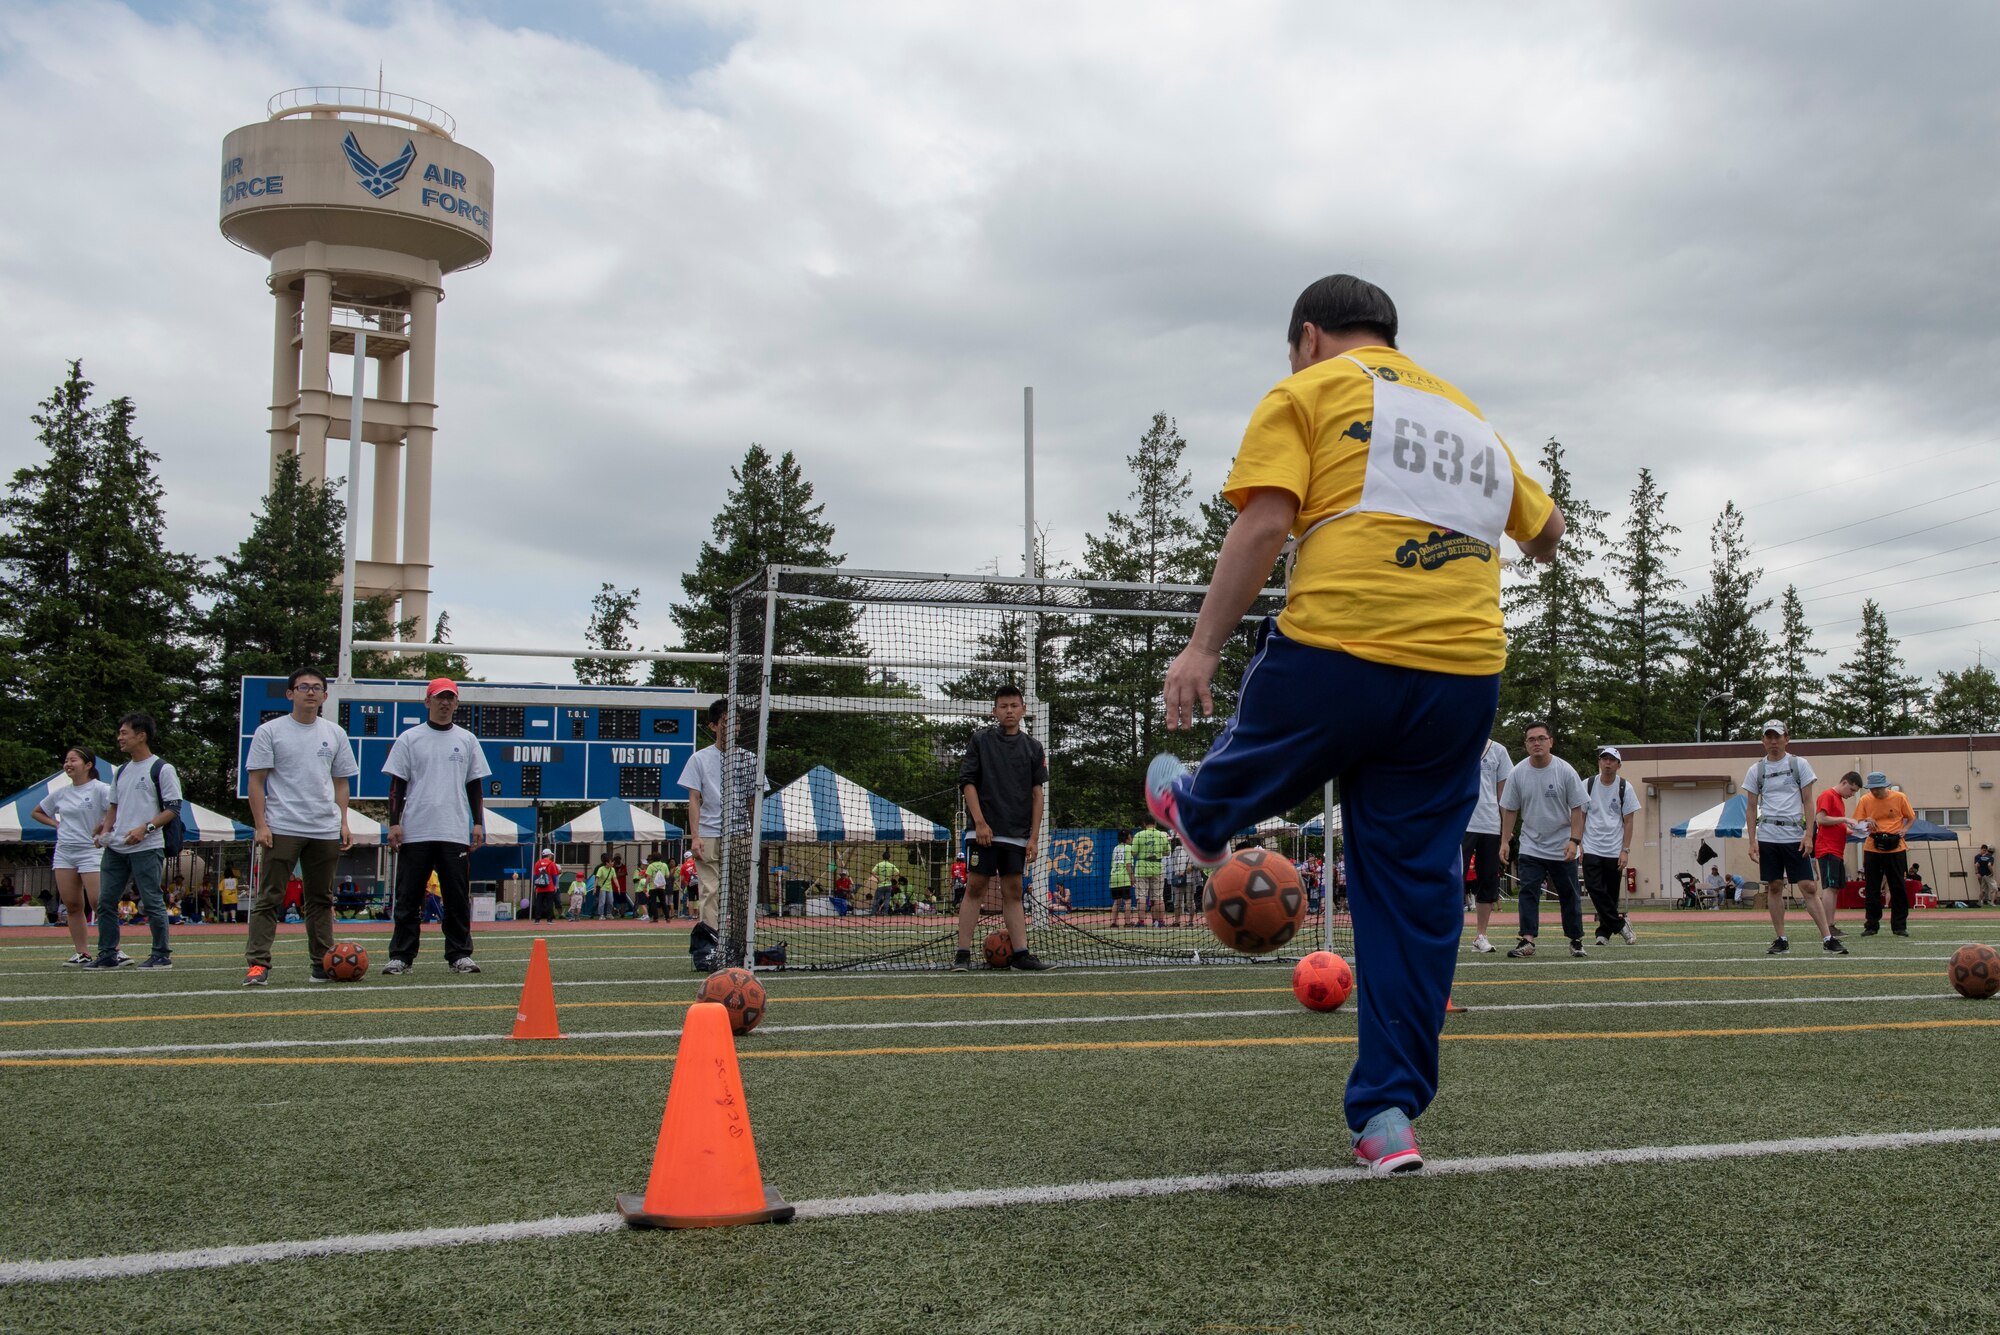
(1870, 931)
(1780, 947)
(1838, 932)
(104, 962)
(1525, 950)
(162, 962)
(1576, 949)
(1028, 963)
(1899, 931)
(1832, 946)
(319, 975)
(961, 961)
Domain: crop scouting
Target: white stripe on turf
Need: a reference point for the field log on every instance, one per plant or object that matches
(924, 1202)
(266, 1044)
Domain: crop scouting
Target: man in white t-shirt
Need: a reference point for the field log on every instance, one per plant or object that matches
(1609, 809)
(299, 768)
(704, 779)
(1481, 846)
(436, 819)
(1777, 790)
(1547, 796)
(145, 799)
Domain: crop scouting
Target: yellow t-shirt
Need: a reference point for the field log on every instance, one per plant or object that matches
(1378, 586)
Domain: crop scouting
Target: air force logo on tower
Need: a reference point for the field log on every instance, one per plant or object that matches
(382, 180)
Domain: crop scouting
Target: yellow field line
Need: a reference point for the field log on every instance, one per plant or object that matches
(919, 996)
(969, 1049)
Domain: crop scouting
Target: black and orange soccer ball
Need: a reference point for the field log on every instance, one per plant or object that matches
(740, 994)
(346, 962)
(1254, 902)
(1975, 971)
(998, 949)
(1322, 981)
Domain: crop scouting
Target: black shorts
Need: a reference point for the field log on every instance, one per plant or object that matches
(1784, 862)
(1483, 852)
(1119, 892)
(996, 859)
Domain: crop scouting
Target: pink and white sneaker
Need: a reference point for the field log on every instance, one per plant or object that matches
(1160, 800)
(1388, 1144)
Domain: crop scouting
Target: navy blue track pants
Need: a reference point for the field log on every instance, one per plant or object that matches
(1405, 745)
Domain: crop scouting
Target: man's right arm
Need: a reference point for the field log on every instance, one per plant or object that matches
(1542, 547)
(257, 780)
(694, 822)
(982, 833)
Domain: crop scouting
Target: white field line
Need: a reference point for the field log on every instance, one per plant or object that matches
(925, 1202)
(486, 962)
(266, 1044)
(783, 982)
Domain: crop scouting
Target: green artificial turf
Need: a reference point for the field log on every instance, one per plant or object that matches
(154, 1157)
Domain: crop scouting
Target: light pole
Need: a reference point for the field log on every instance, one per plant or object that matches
(1726, 695)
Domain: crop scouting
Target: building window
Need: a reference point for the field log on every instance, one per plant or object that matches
(1951, 818)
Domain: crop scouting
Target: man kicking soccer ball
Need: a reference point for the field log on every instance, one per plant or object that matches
(1383, 671)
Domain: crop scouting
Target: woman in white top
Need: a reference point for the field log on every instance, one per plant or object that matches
(74, 812)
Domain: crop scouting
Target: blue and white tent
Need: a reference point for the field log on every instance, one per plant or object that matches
(821, 807)
(1318, 824)
(615, 822)
(18, 826)
(1721, 821)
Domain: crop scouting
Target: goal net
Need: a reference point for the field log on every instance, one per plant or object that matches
(858, 692)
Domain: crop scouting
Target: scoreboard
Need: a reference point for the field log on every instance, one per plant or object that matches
(543, 742)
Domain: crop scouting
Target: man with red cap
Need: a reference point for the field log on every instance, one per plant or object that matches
(435, 821)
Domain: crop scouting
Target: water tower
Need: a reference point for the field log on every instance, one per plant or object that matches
(362, 201)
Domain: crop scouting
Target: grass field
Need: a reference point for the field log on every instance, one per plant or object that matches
(152, 1114)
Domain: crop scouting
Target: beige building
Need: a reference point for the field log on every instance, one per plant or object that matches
(1949, 780)
(362, 201)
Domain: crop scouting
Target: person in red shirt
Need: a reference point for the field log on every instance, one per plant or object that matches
(689, 877)
(1831, 828)
(295, 895)
(545, 877)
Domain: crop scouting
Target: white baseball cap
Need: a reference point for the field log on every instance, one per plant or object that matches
(548, 852)
(1776, 725)
(1611, 751)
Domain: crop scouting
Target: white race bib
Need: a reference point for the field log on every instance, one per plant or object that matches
(1432, 461)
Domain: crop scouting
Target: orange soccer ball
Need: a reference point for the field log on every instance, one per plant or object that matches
(1254, 902)
(1322, 981)
(740, 994)
(346, 962)
(998, 949)
(1975, 971)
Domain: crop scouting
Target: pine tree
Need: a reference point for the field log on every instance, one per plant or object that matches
(614, 613)
(1966, 701)
(438, 663)
(1114, 666)
(1554, 620)
(1795, 690)
(96, 612)
(1872, 695)
(1643, 635)
(1728, 652)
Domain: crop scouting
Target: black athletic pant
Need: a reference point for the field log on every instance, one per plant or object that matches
(1877, 868)
(414, 865)
(1602, 878)
(545, 906)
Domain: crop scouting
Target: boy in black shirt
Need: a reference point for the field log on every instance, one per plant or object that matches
(1002, 779)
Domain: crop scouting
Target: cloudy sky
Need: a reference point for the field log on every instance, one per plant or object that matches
(1750, 246)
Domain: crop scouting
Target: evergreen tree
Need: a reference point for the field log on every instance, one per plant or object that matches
(614, 612)
(771, 518)
(1728, 652)
(1554, 618)
(1966, 701)
(1642, 643)
(1113, 667)
(438, 663)
(1795, 690)
(96, 613)
(1872, 695)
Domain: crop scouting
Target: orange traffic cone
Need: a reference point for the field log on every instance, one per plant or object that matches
(536, 1015)
(705, 1165)
(1452, 1007)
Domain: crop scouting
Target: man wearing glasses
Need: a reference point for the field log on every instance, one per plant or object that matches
(299, 769)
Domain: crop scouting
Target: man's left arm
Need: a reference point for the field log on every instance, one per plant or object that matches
(478, 805)
(1034, 821)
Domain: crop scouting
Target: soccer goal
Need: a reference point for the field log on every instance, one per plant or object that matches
(858, 691)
